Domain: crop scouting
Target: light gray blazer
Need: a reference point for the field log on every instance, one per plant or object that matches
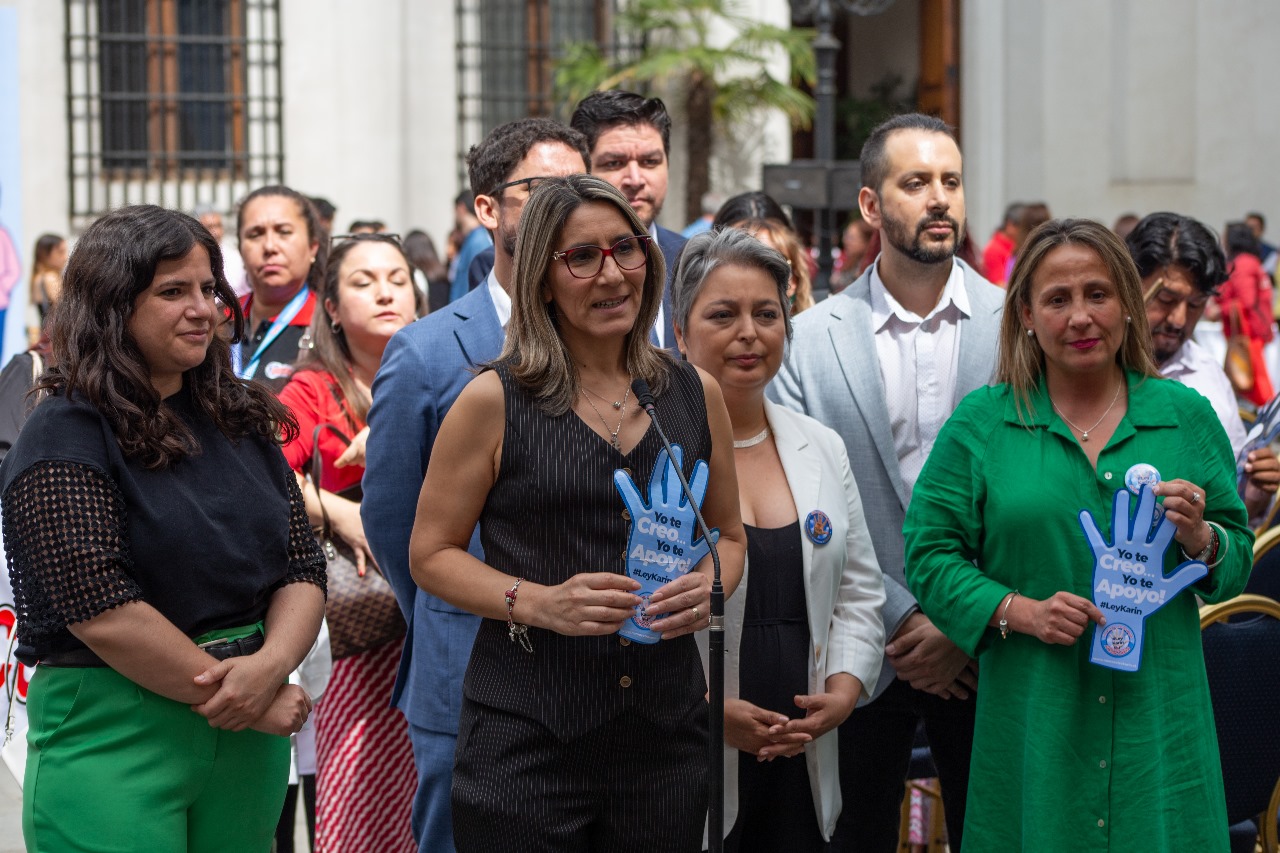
(831, 373)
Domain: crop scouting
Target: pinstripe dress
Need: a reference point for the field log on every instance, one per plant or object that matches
(588, 738)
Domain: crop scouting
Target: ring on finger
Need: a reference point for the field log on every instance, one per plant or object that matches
(697, 614)
(1195, 497)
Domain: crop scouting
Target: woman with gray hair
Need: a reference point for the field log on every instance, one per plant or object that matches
(810, 622)
(572, 736)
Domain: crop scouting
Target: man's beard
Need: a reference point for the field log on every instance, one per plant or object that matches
(1163, 355)
(914, 246)
(507, 236)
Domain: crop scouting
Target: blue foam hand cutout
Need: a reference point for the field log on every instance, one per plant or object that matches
(1129, 583)
(664, 542)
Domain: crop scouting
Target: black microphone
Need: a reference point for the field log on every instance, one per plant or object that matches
(715, 641)
(641, 389)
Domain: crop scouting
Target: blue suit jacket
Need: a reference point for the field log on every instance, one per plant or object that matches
(424, 369)
(476, 243)
(480, 267)
(668, 241)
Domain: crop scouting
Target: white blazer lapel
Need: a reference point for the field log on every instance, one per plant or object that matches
(803, 468)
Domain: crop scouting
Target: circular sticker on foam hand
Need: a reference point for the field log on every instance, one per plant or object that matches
(642, 617)
(817, 526)
(1117, 640)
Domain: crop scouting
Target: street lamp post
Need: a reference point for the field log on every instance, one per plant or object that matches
(825, 48)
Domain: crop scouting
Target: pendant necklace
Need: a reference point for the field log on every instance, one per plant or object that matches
(613, 433)
(617, 404)
(753, 441)
(1084, 433)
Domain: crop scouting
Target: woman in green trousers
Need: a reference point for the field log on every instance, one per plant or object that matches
(165, 573)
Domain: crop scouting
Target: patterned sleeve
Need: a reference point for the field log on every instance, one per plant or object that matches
(66, 539)
(306, 559)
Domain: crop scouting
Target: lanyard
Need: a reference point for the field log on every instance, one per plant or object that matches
(278, 325)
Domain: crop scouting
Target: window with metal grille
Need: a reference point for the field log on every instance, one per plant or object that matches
(172, 102)
(506, 52)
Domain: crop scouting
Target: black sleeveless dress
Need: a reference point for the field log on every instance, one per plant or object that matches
(592, 702)
(775, 801)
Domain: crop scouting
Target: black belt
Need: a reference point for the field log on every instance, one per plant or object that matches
(219, 649)
(223, 649)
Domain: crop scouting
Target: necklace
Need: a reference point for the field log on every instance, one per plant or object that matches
(617, 404)
(753, 441)
(1084, 433)
(613, 433)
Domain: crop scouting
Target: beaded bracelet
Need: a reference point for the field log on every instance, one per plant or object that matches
(1215, 548)
(517, 633)
(1219, 544)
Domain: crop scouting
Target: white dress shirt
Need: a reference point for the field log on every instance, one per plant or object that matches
(501, 300)
(658, 326)
(1193, 366)
(919, 360)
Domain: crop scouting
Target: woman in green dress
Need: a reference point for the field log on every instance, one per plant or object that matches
(1069, 754)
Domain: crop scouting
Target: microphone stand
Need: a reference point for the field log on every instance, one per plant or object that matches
(715, 643)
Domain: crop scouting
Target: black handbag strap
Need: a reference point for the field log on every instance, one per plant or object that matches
(338, 397)
(326, 529)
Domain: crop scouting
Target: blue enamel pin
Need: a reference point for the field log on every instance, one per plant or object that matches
(817, 526)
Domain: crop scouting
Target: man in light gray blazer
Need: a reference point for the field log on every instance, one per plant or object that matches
(884, 363)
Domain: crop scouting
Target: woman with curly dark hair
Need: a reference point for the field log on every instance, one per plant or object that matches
(164, 570)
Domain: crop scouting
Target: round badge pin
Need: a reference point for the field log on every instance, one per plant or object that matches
(1141, 475)
(817, 526)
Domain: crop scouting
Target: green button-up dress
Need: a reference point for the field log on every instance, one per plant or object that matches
(1068, 755)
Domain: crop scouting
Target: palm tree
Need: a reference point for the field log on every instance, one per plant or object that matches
(675, 51)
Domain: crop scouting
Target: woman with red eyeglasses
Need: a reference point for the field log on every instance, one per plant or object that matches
(574, 735)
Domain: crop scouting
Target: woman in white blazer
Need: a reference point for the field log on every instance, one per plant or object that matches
(811, 637)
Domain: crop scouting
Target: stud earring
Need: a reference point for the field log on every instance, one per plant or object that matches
(1031, 333)
(335, 327)
(1128, 319)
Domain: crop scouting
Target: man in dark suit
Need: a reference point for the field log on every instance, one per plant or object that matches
(424, 369)
(630, 141)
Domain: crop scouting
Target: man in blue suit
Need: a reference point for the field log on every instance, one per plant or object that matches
(630, 141)
(424, 369)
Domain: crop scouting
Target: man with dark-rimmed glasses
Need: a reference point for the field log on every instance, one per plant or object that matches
(425, 367)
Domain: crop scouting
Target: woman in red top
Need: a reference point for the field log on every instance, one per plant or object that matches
(365, 776)
(1245, 300)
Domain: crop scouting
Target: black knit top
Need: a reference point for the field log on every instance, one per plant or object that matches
(205, 541)
(553, 513)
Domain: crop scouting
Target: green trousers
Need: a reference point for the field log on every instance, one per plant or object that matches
(112, 767)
